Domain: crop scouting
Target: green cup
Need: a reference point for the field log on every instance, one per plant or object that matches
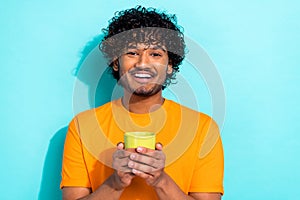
(133, 140)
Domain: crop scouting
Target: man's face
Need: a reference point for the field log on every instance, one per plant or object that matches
(143, 69)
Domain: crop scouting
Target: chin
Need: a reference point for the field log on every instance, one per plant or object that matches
(145, 92)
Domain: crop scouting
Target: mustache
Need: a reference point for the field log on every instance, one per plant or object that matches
(142, 69)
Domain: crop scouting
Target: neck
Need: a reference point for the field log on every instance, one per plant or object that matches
(140, 104)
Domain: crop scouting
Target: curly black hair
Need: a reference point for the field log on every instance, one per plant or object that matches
(147, 26)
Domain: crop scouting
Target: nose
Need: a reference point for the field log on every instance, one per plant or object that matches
(143, 60)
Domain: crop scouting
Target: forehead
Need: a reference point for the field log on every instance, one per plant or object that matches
(146, 46)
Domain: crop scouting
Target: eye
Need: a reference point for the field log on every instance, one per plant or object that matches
(131, 53)
(155, 54)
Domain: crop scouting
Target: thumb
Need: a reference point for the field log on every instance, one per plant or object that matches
(120, 145)
(158, 146)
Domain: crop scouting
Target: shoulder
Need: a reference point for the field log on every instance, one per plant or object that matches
(174, 106)
(94, 111)
(190, 116)
(88, 120)
(91, 117)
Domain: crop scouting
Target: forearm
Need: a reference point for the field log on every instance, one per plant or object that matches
(167, 189)
(109, 190)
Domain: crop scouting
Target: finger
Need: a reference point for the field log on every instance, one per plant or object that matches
(120, 154)
(156, 154)
(144, 160)
(121, 168)
(144, 150)
(147, 164)
(121, 165)
(122, 162)
(158, 146)
(120, 145)
(151, 179)
(149, 169)
(143, 154)
(124, 169)
(125, 174)
(141, 174)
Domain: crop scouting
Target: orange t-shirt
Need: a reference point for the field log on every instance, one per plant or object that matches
(191, 140)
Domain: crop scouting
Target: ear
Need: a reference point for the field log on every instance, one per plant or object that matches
(169, 68)
(116, 65)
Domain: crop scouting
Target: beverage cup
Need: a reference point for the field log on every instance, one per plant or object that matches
(132, 140)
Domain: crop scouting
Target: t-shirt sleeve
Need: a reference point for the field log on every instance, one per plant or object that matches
(209, 168)
(74, 172)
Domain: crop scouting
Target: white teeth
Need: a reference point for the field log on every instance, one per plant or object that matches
(142, 75)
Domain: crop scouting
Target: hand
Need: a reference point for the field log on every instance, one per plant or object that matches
(122, 174)
(148, 164)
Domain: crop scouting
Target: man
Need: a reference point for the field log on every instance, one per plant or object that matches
(144, 48)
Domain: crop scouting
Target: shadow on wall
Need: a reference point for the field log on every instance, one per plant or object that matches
(52, 167)
(92, 71)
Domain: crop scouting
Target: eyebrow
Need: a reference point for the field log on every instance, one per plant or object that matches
(156, 47)
(159, 48)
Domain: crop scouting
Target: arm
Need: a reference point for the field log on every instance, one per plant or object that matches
(107, 191)
(150, 166)
(75, 178)
(112, 188)
(168, 189)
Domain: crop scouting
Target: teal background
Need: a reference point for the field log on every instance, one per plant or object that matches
(254, 44)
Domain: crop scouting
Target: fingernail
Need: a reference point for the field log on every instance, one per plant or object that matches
(130, 164)
(135, 171)
(139, 149)
(132, 156)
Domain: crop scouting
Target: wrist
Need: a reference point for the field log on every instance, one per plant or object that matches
(110, 189)
(116, 182)
(161, 182)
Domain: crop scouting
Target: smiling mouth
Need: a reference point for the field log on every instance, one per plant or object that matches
(141, 75)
